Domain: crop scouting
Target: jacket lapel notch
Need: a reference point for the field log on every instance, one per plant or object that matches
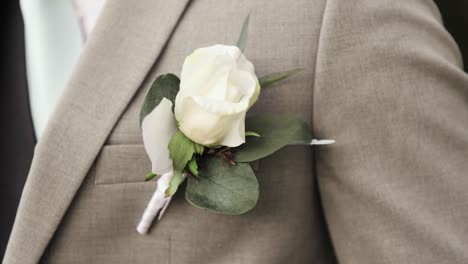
(127, 40)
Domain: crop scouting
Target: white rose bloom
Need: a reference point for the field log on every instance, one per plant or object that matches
(217, 87)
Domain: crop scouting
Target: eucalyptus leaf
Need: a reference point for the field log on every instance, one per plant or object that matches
(277, 131)
(302, 136)
(242, 40)
(223, 189)
(181, 150)
(270, 79)
(165, 86)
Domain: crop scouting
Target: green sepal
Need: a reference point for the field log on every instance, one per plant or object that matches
(199, 149)
(165, 86)
(252, 134)
(277, 131)
(270, 79)
(242, 40)
(150, 176)
(181, 150)
(226, 189)
(174, 183)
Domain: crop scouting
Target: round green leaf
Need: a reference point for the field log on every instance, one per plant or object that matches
(165, 86)
(225, 189)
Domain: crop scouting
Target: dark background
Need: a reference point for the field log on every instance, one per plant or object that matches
(17, 138)
(455, 14)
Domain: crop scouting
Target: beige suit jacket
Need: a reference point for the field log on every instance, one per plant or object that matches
(382, 77)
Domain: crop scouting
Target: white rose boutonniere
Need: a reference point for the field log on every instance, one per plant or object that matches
(197, 128)
(218, 85)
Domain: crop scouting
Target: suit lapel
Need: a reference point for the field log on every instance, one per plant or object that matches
(126, 42)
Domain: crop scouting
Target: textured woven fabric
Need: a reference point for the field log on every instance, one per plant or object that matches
(383, 78)
(390, 88)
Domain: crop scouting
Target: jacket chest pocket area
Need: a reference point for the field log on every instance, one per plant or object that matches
(121, 164)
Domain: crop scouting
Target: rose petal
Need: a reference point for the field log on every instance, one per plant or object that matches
(211, 129)
(158, 127)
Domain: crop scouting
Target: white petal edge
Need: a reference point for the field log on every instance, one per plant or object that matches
(158, 127)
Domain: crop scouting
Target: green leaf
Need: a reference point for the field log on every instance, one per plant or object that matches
(242, 41)
(270, 79)
(150, 176)
(223, 189)
(174, 183)
(193, 166)
(199, 148)
(276, 130)
(165, 86)
(303, 135)
(251, 134)
(181, 150)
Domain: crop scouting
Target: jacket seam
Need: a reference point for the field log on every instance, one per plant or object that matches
(316, 63)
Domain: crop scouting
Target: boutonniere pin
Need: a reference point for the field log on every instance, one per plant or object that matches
(196, 128)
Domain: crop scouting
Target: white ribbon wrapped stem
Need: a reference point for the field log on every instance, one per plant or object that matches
(158, 203)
